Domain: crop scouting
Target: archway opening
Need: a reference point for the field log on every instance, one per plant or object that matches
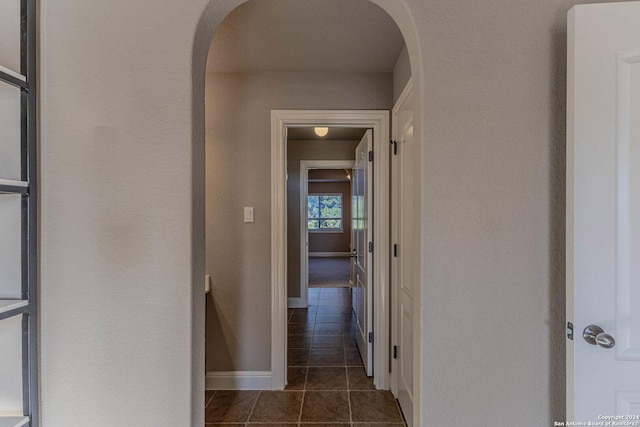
(240, 83)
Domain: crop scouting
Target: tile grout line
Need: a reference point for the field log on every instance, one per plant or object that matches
(306, 374)
(304, 393)
(253, 407)
(346, 371)
(210, 399)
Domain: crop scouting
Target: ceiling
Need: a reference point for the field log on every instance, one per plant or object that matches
(305, 35)
(335, 134)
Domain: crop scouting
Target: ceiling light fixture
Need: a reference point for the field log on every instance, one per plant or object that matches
(321, 131)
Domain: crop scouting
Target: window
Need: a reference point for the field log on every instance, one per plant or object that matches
(324, 212)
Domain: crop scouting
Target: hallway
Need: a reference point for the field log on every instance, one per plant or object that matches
(327, 384)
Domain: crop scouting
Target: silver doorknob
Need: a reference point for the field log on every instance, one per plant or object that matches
(595, 335)
(353, 254)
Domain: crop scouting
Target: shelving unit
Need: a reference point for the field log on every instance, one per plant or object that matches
(18, 191)
(14, 421)
(7, 306)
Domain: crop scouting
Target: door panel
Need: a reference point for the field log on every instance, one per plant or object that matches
(362, 293)
(603, 208)
(404, 225)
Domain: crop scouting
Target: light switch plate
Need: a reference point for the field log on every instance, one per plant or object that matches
(207, 284)
(248, 214)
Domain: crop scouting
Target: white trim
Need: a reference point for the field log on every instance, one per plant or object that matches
(278, 253)
(378, 120)
(238, 380)
(403, 102)
(328, 254)
(298, 302)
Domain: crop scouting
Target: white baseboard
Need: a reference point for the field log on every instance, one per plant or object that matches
(238, 380)
(295, 303)
(328, 254)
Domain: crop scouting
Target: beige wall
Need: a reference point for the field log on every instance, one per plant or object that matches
(296, 151)
(238, 255)
(120, 233)
(401, 73)
(333, 242)
(120, 268)
(493, 211)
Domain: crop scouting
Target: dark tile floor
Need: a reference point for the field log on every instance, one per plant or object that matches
(327, 384)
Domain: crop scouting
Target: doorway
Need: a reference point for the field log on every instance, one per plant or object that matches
(239, 321)
(378, 122)
(325, 243)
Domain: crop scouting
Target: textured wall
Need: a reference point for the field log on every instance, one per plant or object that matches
(238, 255)
(121, 333)
(116, 208)
(493, 211)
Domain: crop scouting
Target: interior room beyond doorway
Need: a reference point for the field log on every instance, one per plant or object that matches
(318, 252)
(329, 230)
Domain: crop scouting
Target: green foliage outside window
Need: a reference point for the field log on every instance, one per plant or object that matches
(324, 212)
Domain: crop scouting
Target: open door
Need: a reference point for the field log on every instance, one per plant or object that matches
(603, 213)
(361, 212)
(405, 240)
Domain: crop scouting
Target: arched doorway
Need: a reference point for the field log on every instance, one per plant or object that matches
(211, 19)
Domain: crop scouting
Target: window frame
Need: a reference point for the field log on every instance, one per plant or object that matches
(326, 230)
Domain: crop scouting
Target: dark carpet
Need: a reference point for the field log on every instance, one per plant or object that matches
(331, 272)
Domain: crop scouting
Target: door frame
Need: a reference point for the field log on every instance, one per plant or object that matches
(305, 166)
(403, 103)
(378, 120)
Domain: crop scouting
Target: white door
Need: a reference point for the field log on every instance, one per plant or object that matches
(362, 292)
(404, 204)
(603, 210)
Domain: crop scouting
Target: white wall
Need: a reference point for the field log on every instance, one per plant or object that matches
(116, 219)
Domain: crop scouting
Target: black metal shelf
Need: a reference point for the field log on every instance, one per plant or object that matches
(13, 421)
(13, 307)
(13, 187)
(26, 307)
(8, 77)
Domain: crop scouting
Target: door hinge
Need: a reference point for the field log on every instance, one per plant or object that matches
(370, 336)
(395, 250)
(371, 247)
(371, 156)
(570, 330)
(395, 351)
(395, 146)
